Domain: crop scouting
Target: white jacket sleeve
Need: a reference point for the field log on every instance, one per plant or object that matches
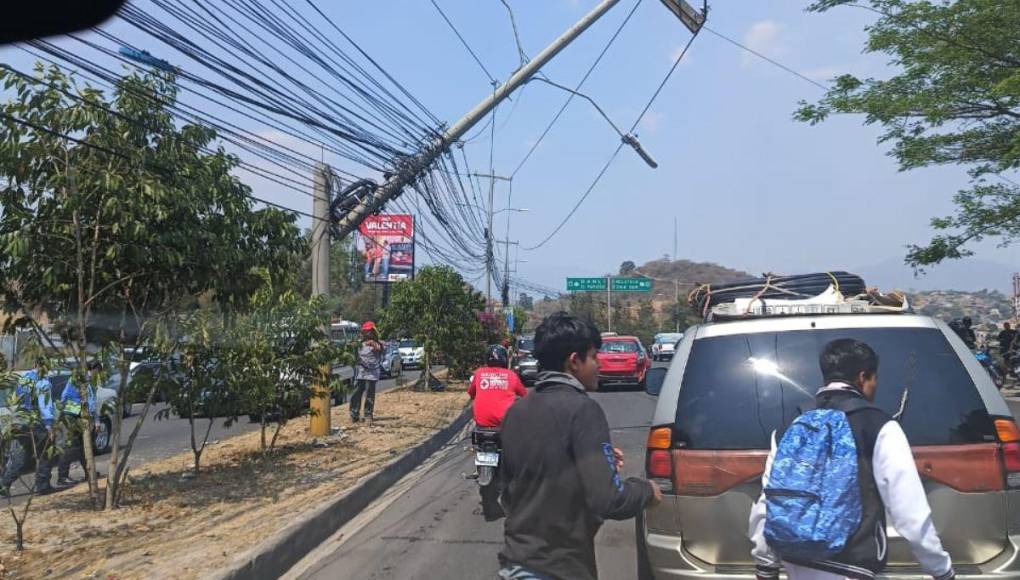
(766, 562)
(905, 500)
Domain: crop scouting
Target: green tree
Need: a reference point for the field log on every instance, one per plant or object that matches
(123, 223)
(279, 351)
(627, 268)
(646, 324)
(438, 309)
(955, 100)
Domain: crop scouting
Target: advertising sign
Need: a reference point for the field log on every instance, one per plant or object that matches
(386, 243)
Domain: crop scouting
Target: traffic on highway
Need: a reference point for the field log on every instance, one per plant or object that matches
(564, 290)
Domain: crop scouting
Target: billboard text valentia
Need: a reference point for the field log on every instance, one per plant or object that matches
(386, 242)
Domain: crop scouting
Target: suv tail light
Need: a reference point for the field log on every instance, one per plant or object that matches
(1009, 437)
(660, 462)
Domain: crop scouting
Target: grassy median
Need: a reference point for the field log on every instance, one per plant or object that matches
(172, 525)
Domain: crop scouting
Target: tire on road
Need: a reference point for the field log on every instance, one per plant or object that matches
(101, 439)
(644, 567)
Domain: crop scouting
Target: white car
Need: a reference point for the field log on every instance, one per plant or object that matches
(664, 345)
(412, 354)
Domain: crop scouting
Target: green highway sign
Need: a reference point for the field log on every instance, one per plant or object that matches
(586, 284)
(599, 284)
(632, 284)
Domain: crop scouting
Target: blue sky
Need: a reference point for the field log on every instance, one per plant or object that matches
(751, 188)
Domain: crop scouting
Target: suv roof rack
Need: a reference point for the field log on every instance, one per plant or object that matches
(831, 301)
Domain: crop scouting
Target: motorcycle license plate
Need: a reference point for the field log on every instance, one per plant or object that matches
(487, 458)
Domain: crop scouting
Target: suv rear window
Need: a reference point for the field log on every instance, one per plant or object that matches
(619, 346)
(737, 389)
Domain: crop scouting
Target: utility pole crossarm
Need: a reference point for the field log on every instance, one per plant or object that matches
(410, 170)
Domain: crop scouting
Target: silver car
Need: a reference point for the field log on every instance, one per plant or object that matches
(732, 383)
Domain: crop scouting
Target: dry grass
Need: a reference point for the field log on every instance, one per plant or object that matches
(170, 526)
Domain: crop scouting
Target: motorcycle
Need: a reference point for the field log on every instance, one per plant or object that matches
(487, 451)
(985, 358)
(487, 455)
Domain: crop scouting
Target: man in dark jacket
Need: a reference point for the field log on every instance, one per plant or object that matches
(561, 473)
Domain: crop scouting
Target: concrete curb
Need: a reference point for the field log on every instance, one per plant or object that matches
(278, 553)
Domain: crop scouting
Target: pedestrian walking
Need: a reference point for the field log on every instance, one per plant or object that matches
(367, 372)
(832, 476)
(70, 431)
(32, 431)
(561, 474)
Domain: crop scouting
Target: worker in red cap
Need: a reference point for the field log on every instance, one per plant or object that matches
(367, 371)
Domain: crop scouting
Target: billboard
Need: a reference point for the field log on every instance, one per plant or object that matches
(386, 243)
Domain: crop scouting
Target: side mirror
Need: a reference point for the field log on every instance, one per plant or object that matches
(653, 381)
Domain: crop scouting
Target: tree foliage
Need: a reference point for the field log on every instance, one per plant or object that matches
(955, 100)
(438, 309)
(113, 216)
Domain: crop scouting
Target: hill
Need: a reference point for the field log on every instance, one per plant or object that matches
(689, 275)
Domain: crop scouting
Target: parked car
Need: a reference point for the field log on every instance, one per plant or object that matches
(412, 354)
(392, 363)
(622, 361)
(731, 384)
(664, 345)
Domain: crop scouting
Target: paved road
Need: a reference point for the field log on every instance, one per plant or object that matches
(430, 526)
(163, 438)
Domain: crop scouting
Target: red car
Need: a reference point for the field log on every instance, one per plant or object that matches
(622, 360)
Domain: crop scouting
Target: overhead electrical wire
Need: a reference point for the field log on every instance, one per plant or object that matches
(464, 43)
(577, 87)
(767, 59)
(124, 156)
(616, 152)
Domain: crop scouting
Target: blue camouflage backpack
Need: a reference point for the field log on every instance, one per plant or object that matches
(813, 500)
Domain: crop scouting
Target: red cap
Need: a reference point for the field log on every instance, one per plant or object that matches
(368, 326)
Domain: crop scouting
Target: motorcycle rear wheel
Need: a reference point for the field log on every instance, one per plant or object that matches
(485, 473)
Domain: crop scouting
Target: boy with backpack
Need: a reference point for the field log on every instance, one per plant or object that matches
(831, 477)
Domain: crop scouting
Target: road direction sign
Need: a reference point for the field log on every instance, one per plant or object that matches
(632, 284)
(586, 284)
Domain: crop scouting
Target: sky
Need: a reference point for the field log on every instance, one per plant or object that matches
(749, 187)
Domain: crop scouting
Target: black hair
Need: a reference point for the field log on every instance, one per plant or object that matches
(562, 334)
(845, 358)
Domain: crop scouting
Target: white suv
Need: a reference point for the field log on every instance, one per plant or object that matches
(732, 383)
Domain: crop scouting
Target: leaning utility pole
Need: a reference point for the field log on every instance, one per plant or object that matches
(319, 425)
(410, 170)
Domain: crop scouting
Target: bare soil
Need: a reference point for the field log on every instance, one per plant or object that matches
(173, 526)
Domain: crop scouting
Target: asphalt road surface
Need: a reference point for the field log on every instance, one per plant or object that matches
(163, 438)
(429, 526)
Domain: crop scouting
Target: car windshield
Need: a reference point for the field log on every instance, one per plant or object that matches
(668, 338)
(526, 344)
(737, 389)
(408, 344)
(617, 346)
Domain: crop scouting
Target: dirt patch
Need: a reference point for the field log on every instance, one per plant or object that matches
(170, 526)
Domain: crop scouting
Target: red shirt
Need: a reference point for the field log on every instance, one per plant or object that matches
(494, 389)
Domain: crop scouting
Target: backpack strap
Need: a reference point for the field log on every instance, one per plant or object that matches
(852, 405)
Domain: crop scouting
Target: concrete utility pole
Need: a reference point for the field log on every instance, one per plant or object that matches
(320, 421)
(491, 211)
(411, 169)
(506, 270)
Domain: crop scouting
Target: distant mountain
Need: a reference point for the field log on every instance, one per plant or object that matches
(689, 274)
(966, 275)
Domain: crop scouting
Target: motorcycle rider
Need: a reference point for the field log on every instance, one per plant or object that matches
(963, 328)
(493, 388)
